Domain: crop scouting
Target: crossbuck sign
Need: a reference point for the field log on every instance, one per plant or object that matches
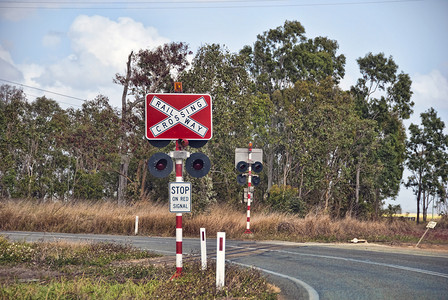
(178, 116)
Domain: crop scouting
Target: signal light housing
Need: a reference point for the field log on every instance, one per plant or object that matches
(160, 165)
(256, 180)
(242, 166)
(197, 143)
(159, 143)
(241, 179)
(257, 167)
(197, 165)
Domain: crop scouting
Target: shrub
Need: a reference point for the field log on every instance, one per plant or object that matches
(285, 199)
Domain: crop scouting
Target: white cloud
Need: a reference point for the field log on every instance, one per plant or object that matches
(8, 70)
(52, 39)
(430, 90)
(432, 87)
(100, 48)
(109, 41)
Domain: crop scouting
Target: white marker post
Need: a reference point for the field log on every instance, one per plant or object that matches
(220, 260)
(203, 250)
(136, 225)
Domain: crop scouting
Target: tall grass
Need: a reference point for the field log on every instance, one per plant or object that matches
(155, 219)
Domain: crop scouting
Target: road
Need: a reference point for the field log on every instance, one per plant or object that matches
(310, 271)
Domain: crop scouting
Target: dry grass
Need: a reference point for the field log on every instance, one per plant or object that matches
(86, 217)
(155, 219)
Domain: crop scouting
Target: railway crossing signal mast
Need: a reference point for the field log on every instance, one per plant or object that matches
(248, 160)
(186, 119)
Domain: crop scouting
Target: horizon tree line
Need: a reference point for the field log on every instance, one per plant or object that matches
(326, 149)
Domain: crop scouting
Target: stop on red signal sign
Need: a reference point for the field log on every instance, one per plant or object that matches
(178, 116)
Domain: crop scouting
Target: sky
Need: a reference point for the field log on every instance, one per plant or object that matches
(70, 51)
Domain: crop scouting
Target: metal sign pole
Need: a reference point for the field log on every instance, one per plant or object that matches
(430, 225)
(249, 184)
(179, 178)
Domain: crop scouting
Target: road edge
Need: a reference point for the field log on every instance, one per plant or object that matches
(312, 293)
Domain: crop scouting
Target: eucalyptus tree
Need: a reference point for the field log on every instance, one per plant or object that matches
(44, 161)
(92, 143)
(384, 96)
(222, 74)
(278, 59)
(147, 71)
(324, 133)
(13, 110)
(32, 158)
(427, 159)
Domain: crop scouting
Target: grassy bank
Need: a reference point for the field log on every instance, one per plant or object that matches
(155, 219)
(107, 271)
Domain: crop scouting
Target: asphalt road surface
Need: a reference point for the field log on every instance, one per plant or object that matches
(309, 271)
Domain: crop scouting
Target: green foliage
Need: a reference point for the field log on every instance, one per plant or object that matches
(383, 97)
(285, 198)
(88, 186)
(342, 151)
(427, 159)
(222, 75)
(284, 55)
(15, 252)
(392, 210)
(57, 255)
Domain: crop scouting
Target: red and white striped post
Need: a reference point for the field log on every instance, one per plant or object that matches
(179, 178)
(249, 184)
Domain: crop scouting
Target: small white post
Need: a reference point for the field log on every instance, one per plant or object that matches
(220, 259)
(203, 250)
(136, 225)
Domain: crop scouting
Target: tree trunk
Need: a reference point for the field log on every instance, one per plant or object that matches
(377, 204)
(301, 182)
(425, 206)
(358, 173)
(270, 171)
(122, 181)
(124, 160)
(419, 195)
(145, 171)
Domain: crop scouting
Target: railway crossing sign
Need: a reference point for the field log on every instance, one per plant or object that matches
(178, 116)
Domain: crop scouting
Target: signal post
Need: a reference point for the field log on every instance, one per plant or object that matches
(248, 160)
(187, 119)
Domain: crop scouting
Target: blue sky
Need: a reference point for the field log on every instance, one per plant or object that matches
(75, 48)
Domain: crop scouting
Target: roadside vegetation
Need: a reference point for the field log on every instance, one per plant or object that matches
(62, 270)
(342, 151)
(155, 219)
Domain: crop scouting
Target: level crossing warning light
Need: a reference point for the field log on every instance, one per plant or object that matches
(255, 180)
(241, 179)
(197, 165)
(242, 166)
(160, 165)
(257, 167)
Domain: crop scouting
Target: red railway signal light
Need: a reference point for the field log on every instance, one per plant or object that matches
(198, 165)
(160, 165)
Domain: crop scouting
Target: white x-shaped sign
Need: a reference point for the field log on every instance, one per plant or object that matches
(181, 116)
